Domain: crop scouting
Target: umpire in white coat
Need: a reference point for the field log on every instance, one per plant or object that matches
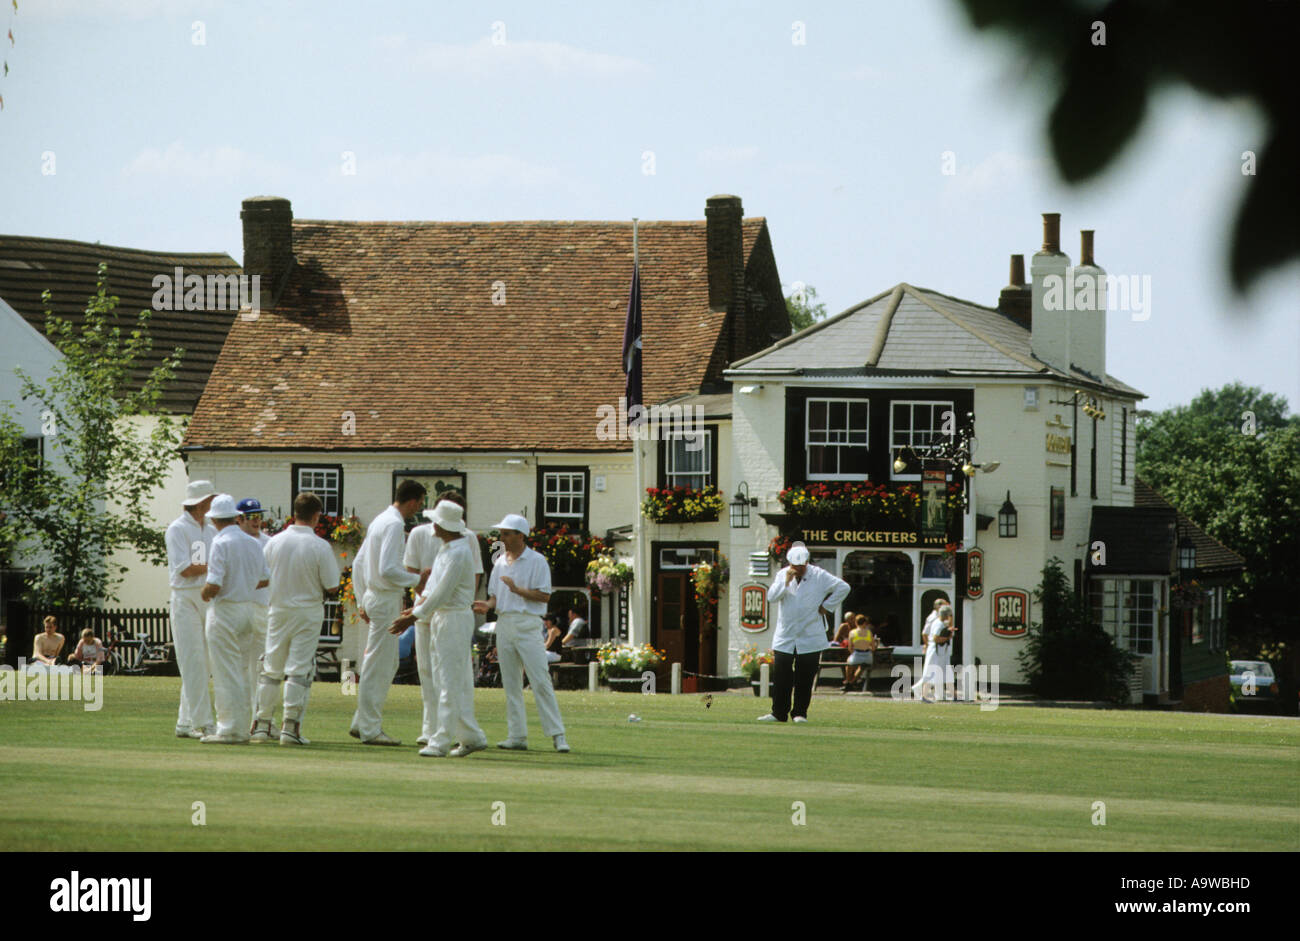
(189, 544)
(236, 569)
(807, 594)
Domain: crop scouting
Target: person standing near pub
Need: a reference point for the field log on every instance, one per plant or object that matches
(519, 587)
(808, 593)
(236, 570)
(189, 544)
(379, 580)
(250, 521)
(303, 572)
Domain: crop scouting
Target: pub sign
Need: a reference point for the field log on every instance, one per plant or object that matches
(975, 574)
(1010, 612)
(753, 608)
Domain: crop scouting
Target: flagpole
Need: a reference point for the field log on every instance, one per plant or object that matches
(640, 595)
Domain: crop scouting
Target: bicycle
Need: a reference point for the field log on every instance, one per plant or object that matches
(140, 650)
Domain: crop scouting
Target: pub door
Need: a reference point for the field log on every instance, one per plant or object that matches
(677, 620)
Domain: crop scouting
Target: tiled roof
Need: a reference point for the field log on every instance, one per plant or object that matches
(67, 269)
(1212, 556)
(395, 323)
(918, 331)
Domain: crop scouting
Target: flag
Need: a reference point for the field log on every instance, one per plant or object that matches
(632, 342)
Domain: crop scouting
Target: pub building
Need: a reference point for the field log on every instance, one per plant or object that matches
(924, 446)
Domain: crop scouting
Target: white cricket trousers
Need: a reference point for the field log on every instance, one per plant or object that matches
(520, 650)
(256, 650)
(188, 611)
(452, 632)
(290, 660)
(230, 634)
(426, 659)
(378, 662)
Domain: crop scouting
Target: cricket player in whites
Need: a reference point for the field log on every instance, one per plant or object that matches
(379, 580)
(303, 573)
(236, 569)
(189, 543)
(422, 547)
(250, 521)
(519, 587)
(446, 603)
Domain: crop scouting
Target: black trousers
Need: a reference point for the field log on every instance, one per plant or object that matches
(797, 673)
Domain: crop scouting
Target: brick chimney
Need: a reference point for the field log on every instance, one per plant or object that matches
(1088, 320)
(725, 248)
(1016, 299)
(1050, 338)
(268, 243)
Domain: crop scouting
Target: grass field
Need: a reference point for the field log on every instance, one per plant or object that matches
(872, 775)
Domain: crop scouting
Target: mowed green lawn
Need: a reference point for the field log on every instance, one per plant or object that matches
(869, 775)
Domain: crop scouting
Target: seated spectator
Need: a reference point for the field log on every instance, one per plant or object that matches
(861, 644)
(551, 634)
(49, 645)
(90, 652)
(841, 638)
(577, 628)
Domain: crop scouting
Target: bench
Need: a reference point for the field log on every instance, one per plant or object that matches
(569, 675)
(834, 658)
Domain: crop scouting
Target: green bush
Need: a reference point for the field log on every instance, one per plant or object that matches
(1067, 655)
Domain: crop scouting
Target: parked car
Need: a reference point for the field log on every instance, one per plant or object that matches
(1254, 685)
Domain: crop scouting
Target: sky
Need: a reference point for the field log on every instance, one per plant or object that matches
(144, 123)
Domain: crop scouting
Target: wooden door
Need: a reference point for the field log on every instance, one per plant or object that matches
(674, 612)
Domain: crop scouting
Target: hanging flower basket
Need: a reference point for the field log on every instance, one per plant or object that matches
(605, 574)
(708, 578)
(682, 505)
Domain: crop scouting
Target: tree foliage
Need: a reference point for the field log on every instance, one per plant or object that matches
(86, 498)
(1067, 655)
(1230, 461)
(1107, 60)
(802, 310)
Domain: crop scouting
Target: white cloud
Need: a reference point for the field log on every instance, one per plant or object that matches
(111, 9)
(177, 160)
(728, 154)
(862, 73)
(484, 57)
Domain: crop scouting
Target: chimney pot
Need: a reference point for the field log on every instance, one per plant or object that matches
(1017, 271)
(1085, 247)
(1052, 233)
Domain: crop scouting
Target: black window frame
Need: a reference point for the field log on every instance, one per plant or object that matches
(661, 471)
(572, 522)
(294, 489)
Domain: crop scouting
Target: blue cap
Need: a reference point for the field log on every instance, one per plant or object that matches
(248, 506)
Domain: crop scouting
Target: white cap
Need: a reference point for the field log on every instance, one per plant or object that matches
(798, 554)
(514, 521)
(448, 515)
(197, 492)
(223, 508)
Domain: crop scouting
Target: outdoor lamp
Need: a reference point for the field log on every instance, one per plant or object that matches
(740, 507)
(1007, 525)
(899, 464)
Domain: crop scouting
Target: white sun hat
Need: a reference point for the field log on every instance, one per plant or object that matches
(223, 508)
(197, 492)
(798, 554)
(514, 521)
(448, 515)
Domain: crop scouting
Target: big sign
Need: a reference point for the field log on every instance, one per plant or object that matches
(1010, 612)
(753, 608)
